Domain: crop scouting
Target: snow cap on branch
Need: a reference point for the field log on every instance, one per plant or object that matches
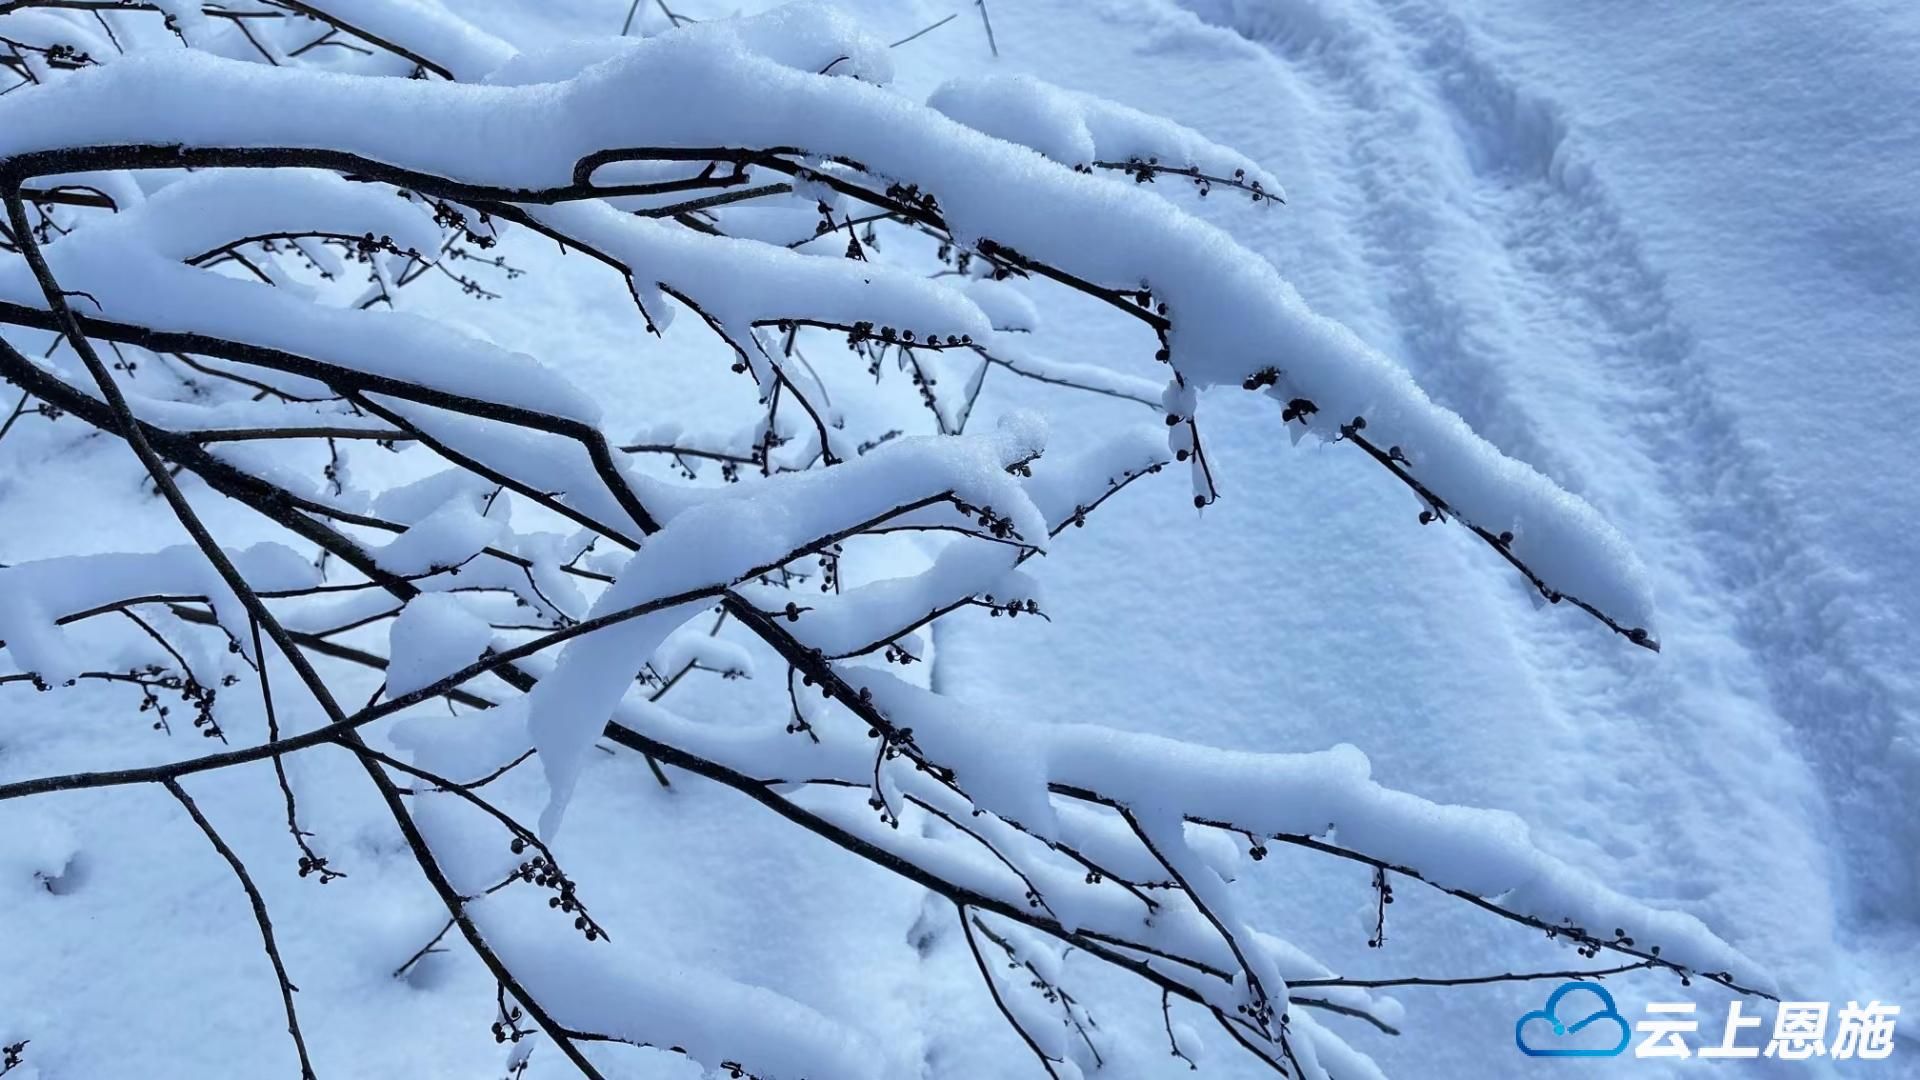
(1232, 319)
(1080, 130)
(750, 528)
(34, 596)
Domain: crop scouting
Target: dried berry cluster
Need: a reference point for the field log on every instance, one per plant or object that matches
(12, 1056)
(540, 870)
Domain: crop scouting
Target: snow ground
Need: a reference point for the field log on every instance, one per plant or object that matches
(1486, 195)
(1662, 253)
(1688, 312)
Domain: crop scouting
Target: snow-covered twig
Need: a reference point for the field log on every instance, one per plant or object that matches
(1083, 839)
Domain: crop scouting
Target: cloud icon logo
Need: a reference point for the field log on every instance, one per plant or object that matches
(1547, 1032)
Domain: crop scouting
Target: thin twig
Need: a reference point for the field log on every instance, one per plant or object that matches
(260, 917)
(924, 30)
(993, 988)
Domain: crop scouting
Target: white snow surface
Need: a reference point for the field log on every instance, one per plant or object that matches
(434, 636)
(1665, 256)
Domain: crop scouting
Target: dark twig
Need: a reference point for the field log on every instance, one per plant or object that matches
(1173, 1042)
(310, 862)
(926, 30)
(999, 1002)
(423, 951)
(1382, 896)
(260, 917)
(1259, 1008)
(1397, 464)
(1475, 980)
(1072, 1015)
(1143, 171)
(18, 408)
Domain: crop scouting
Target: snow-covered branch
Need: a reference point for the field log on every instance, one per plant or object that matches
(208, 251)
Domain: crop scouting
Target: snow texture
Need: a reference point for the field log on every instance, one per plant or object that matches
(1492, 230)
